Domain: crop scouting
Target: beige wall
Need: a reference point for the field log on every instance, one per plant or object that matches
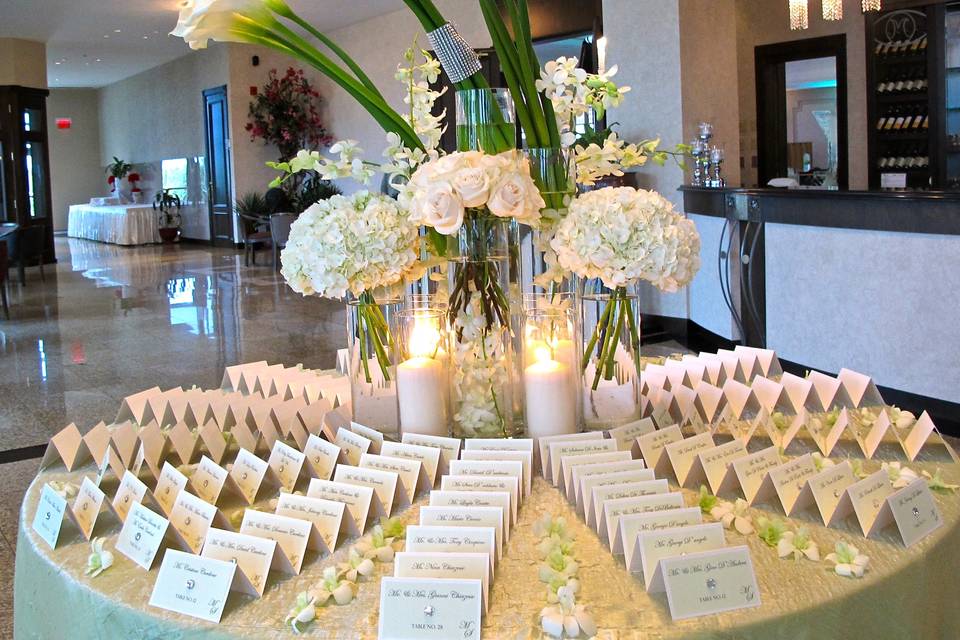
(23, 62)
(75, 165)
(760, 23)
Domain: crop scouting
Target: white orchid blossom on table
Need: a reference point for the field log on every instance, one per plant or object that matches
(356, 566)
(820, 462)
(848, 561)
(304, 611)
(734, 514)
(99, 559)
(900, 475)
(937, 483)
(567, 619)
(558, 566)
(377, 545)
(798, 544)
(333, 586)
(66, 490)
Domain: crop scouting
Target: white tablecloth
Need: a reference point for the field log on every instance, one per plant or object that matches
(127, 224)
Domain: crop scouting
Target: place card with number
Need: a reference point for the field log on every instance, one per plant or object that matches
(191, 585)
(86, 507)
(708, 582)
(131, 491)
(913, 510)
(654, 546)
(470, 566)
(142, 536)
(429, 608)
(48, 519)
(286, 463)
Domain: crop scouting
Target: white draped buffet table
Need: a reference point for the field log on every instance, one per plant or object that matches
(126, 224)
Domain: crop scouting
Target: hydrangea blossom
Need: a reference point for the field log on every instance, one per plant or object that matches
(622, 235)
(349, 243)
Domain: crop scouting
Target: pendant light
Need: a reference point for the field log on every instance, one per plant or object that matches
(832, 10)
(799, 15)
(870, 5)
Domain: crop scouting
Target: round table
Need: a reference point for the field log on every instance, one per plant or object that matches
(907, 592)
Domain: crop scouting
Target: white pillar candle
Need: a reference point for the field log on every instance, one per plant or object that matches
(550, 405)
(421, 393)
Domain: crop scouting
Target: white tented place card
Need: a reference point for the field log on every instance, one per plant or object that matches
(124, 439)
(921, 431)
(709, 582)
(249, 473)
(861, 388)
(190, 518)
(429, 608)
(449, 447)
(590, 482)
(683, 453)
(753, 468)
(291, 534)
(469, 566)
(141, 535)
(286, 463)
(786, 482)
(185, 442)
(353, 445)
(633, 525)
(214, 439)
(252, 555)
(716, 464)
(48, 518)
(428, 457)
(603, 493)
(356, 498)
(654, 546)
(582, 474)
(766, 358)
(709, 401)
(193, 586)
(561, 450)
(86, 506)
(626, 435)
(486, 483)
(136, 407)
(326, 516)
(499, 444)
(914, 511)
(208, 480)
(374, 436)
(652, 446)
(866, 498)
(613, 510)
(827, 392)
(466, 517)
(526, 457)
(321, 456)
(97, 441)
(169, 486)
(740, 399)
(488, 468)
(444, 539)
(131, 491)
(383, 483)
(568, 464)
(409, 474)
(543, 446)
(448, 498)
(153, 450)
(871, 440)
(828, 441)
(68, 447)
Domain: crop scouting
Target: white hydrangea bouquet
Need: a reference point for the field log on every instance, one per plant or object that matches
(621, 236)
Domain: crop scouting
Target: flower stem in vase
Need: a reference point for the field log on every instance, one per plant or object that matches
(617, 314)
(373, 327)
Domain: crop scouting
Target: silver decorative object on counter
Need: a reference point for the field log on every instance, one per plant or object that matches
(707, 159)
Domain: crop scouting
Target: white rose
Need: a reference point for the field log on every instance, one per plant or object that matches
(473, 186)
(439, 207)
(508, 197)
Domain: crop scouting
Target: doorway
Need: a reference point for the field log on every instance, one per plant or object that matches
(219, 189)
(802, 113)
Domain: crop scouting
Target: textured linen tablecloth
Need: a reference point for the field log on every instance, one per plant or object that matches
(127, 224)
(906, 594)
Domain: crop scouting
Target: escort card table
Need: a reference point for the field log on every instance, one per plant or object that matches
(906, 592)
(126, 224)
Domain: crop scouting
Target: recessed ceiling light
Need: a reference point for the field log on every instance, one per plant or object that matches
(98, 59)
(146, 37)
(107, 35)
(57, 62)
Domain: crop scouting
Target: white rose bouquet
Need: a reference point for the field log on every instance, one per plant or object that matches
(620, 236)
(353, 243)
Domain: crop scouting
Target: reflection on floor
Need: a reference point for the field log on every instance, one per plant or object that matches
(110, 321)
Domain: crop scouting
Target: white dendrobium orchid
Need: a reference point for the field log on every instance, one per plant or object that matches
(558, 566)
(304, 610)
(734, 514)
(848, 561)
(937, 483)
(821, 462)
(798, 544)
(548, 526)
(378, 546)
(99, 560)
(567, 618)
(356, 566)
(900, 475)
(332, 586)
(66, 490)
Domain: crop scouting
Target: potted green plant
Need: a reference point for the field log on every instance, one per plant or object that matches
(168, 204)
(116, 172)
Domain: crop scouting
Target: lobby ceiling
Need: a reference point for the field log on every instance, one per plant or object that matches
(92, 43)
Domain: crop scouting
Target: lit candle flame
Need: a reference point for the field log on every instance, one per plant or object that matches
(424, 338)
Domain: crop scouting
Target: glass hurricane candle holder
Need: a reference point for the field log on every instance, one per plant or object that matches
(423, 371)
(550, 372)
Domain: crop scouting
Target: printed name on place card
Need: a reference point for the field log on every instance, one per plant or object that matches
(489, 468)
(601, 494)
(49, 515)
(356, 498)
(682, 454)
(569, 464)
(560, 450)
(449, 447)
(652, 446)
(589, 483)
(633, 525)
(86, 507)
(613, 510)
(752, 469)
(374, 436)
(914, 511)
(291, 534)
(584, 476)
(447, 498)
(428, 457)
(525, 457)
(444, 539)
(252, 555)
(867, 498)
(466, 517)
(353, 445)
(131, 491)
(825, 489)
(709, 582)
(326, 516)
(383, 483)
(409, 472)
(657, 545)
(141, 535)
(429, 608)
(322, 456)
(470, 566)
(486, 483)
(190, 518)
(286, 463)
(192, 585)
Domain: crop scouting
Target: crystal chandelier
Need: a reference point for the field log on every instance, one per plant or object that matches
(870, 5)
(798, 15)
(833, 9)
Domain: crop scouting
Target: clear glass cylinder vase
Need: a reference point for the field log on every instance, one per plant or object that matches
(551, 370)
(423, 358)
(553, 173)
(486, 120)
(480, 315)
(371, 327)
(610, 360)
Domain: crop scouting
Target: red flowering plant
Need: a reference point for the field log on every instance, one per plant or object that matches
(286, 113)
(134, 178)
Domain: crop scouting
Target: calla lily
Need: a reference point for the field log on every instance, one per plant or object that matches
(707, 500)
(734, 514)
(356, 566)
(798, 544)
(332, 586)
(67, 490)
(821, 462)
(848, 561)
(548, 526)
(557, 566)
(900, 475)
(937, 483)
(304, 610)
(378, 546)
(99, 560)
(222, 20)
(771, 530)
(567, 618)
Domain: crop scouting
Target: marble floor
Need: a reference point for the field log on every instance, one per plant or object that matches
(110, 321)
